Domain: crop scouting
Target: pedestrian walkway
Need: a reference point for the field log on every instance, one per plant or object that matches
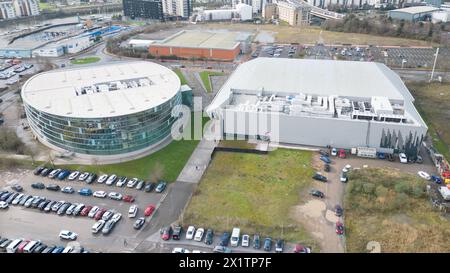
(198, 162)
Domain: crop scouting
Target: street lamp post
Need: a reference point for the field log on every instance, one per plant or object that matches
(434, 64)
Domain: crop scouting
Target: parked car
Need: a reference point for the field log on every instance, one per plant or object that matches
(68, 235)
(339, 228)
(43, 204)
(49, 206)
(38, 170)
(424, 175)
(324, 153)
(54, 173)
(221, 249)
(403, 158)
(338, 210)
(85, 192)
(91, 178)
(17, 199)
(93, 211)
(56, 206)
(63, 208)
(256, 241)
(301, 249)
(132, 212)
(268, 244)
(100, 194)
(319, 177)
(12, 197)
(166, 233)
(71, 208)
(334, 152)
(83, 176)
(111, 180)
(99, 214)
(3, 205)
(279, 246)
(140, 185)
(149, 210)
(108, 227)
(74, 175)
(116, 217)
(199, 234)
(342, 153)
(85, 211)
(78, 209)
(190, 233)
(115, 196)
(176, 233)
(325, 159)
(68, 190)
(326, 167)
(149, 187)
(343, 177)
(132, 183)
(161, 187)
(107, 215)
(209, 236)
(128, 198)
(102, 178)
(46, 171)
(63, 174)
(97, 226)
(180, 250)
(121, 181)
(316, 193)
(38, 185)
(17, 188)
(53, 187)
(437, 179)
(224, 239)
(139, 223)
(245, 240)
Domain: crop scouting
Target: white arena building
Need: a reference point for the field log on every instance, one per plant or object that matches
(343, 104)
(121, 109)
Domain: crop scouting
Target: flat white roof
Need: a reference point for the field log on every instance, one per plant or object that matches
(417, 9)
(57, 92)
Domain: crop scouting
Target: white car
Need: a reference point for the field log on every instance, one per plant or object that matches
(424, 175)
(121, 182)
(68, 235)
(115, 196)
(68, 249)
(180, 250)
(17, 199)
(107, 215)
(83, 176)
(102, 178)
(3, 205)
(74, 175)
(70, 209)
(348, 166)
(245, 240)
(111, 180)
(116, 217)
(199, 235)
(100, 194)
(97, 226)
(190, 233)
(93, 211)
(334, 152)
(403, 158)
(132, 212)
(132, 183)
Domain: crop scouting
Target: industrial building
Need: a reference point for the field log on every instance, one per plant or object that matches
(145, 9)
(413, 14)
(202, 44)
(241, 12)
(121, 109)
(344, 104)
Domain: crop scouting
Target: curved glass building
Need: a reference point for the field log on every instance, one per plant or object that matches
(103, 110)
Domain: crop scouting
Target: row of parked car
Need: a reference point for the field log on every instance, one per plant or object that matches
(36, 246)
(62, 174)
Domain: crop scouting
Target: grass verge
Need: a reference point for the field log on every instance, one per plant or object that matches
(204, 75)
(181, 76)
(86, 60)
(391, 208)
(433, 102)
(253, 192)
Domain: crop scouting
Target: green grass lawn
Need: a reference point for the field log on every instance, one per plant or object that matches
(86, 60)
(181, 76)
(253, 192)
(204, 75)
(391, 208)
(46, 6)
(433, 102)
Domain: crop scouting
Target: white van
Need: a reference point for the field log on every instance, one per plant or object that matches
(31, 246)
(235, 237)
(12, 247)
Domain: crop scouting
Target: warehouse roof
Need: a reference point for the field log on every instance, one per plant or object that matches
(120, 89)
(316, 77)
(201, 39)
(416, 10)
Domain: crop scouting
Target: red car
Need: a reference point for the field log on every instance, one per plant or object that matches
(128, 198)
(149, 210)
(99, 214)
(339, 228)
(22, 245)
(166, 233)
(86, 211)
(342, 153)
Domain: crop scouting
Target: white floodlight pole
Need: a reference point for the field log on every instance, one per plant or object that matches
(434, 65)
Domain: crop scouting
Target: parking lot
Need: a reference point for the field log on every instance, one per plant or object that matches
(276, 51)
(31, 223)
(8, 76)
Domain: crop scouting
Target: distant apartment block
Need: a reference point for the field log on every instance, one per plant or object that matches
(180, 8)
(144, 9)
(270, 11)
(18, 8)
(295, 14)
(360, 3)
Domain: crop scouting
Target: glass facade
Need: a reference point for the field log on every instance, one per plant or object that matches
(105, 136)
